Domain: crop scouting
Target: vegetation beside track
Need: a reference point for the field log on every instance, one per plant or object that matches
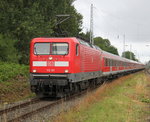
(14, 83)
(124, 99)
(10, 71)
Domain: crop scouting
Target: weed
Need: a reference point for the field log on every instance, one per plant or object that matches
(145, 100)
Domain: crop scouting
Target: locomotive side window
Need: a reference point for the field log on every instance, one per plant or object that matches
(59, 48)
(77, 50)
(42, 48)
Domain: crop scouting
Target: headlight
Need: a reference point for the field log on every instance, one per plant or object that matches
(34, 70)
(50, 58)
(66, 71)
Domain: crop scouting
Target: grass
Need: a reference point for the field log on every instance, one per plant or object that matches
(124, 100)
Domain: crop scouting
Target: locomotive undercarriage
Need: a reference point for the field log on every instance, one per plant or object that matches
(51, 90)
(59, 87)
(49, 87)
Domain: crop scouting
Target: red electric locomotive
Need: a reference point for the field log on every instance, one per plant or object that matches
(60, 66)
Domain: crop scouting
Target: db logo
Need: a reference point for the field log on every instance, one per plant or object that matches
(50, 63)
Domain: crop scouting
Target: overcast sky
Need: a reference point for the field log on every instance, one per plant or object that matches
(115, 18)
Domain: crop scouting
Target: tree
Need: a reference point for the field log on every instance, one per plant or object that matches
(85, 36)
(7, 50)
(129, 55)
(23, 20)
(105, 45)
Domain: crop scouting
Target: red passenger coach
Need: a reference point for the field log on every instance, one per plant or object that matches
(58, 65)
(113, 65)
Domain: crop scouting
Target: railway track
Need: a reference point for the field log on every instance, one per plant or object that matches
(9, 112)
(14, 107)
(25, 110)
(24, 115)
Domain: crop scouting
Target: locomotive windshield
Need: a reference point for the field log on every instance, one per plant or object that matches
(59, 48)
(42, 49)
(51, 48)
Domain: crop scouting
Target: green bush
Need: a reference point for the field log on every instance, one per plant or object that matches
(9, 71)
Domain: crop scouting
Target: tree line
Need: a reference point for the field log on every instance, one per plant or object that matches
(23, 20)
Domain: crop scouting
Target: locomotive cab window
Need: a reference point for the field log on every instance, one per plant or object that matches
(51, 48)
(60, 49)
(42, 48)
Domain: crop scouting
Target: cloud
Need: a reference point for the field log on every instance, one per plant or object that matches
(114, 18)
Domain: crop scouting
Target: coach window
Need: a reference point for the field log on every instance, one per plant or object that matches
(113, 62)
(77, 50)
(105, 61)
(120, 63)
(116, 63)
(110, 62)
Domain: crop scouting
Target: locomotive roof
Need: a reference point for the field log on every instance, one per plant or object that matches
(40, 39)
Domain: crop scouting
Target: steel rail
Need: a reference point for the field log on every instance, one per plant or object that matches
(18, 106)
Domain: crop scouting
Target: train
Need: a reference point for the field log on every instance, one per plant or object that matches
(64, 66)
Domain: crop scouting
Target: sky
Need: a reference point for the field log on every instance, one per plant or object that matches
(116, 19)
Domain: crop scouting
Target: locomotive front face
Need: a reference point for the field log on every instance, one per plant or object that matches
(50, 65)
(50, 57)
